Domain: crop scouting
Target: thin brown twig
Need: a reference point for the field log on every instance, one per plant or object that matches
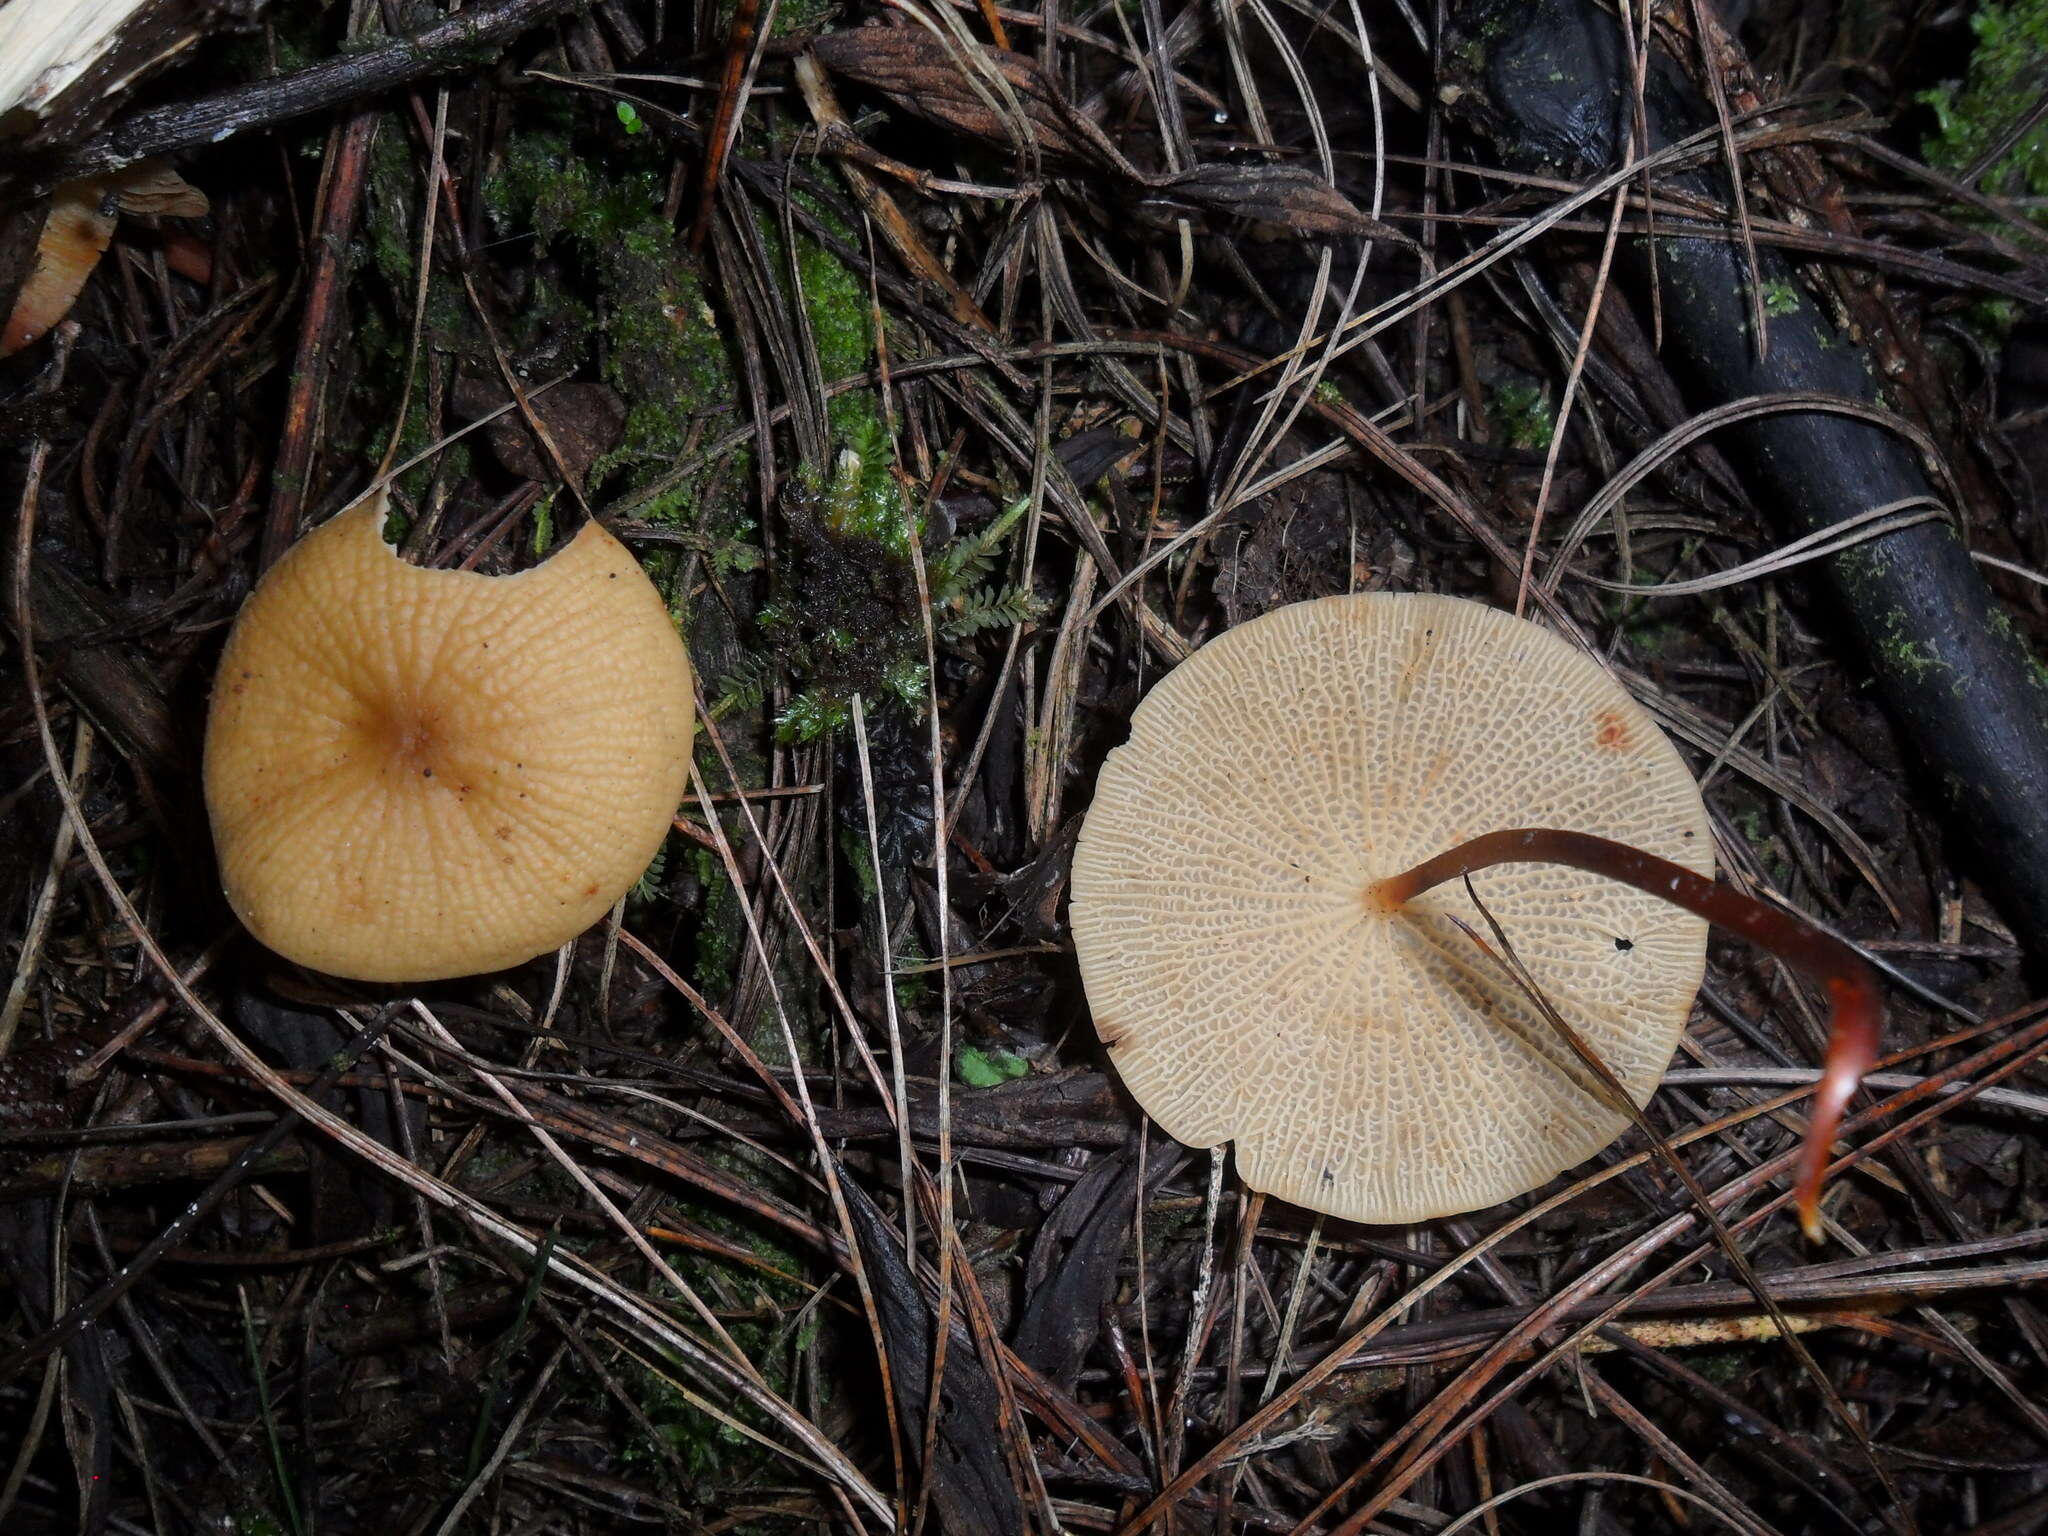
(342, 179)
(1569, 399)
(1717, 92)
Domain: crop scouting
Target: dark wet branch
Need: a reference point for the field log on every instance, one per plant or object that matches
(461, 42)
(1551, 88)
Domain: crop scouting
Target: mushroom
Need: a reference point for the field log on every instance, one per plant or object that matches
(76, 233)
(415, 774)
(1270, 958)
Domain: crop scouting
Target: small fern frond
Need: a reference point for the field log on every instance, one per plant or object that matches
(648, 886)
(969, 560)
(991, 608)
(742, 689)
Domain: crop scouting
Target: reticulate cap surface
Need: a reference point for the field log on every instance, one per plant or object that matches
(1375, 1065)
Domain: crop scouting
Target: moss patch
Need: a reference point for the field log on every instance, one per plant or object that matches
(600, 212)
(1524, 413)
(2007, 73)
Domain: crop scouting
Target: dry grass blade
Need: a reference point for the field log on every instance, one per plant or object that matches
(1571, 393)
(1871, 523)
(1639, 468)
(38, 933)
(1362, 430)
(1948, 1087)
(1714, 737)
(1718, 93)
(828, 1164)
(905, 1156)
(81, 1315)
(626, 1228)
(1669, 1490)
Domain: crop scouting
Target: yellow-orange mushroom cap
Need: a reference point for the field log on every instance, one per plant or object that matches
(415, 774)
(1370, 1062)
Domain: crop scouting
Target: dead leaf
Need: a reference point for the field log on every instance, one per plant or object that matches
(928, 78)
(1288, 195)
(585, 420)
(971, 1489)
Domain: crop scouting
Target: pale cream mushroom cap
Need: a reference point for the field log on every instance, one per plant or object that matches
(1374, 1065)
(415, 774)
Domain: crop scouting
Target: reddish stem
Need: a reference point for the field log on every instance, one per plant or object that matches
(1855, 1011)
(725, 121)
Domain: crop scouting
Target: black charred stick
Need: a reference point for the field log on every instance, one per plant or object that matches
(1549, 84)
(466, 40)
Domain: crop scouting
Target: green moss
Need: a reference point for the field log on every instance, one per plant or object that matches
(793, 18)
(1917, 660)
(1724, 1367)
(863, 500)
(843, 326)
(1860, 564)
(1993, 319)
(1756, 832)
(384, 373)
(2004, 79)
(853, 852)
(389, 221)
(662, 349)
(1780, 298)
(666, 356)
(546, 183)
(2003, 626)
(1524, 412)
(847, 621)
(913, 992)
(718, 930)
(1649, 632)
(292, 37)
(779, 1329)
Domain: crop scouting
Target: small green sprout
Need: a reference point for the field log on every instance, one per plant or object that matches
(544, 524)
